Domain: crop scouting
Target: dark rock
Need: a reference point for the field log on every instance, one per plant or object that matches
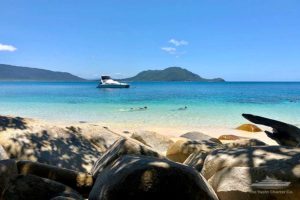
(119, 148)
(283, 133)
(66, 197)
(29, 187)
(149, 178)
(8, 169)
(79, 181)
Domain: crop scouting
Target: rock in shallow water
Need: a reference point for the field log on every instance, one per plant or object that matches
(149, 178)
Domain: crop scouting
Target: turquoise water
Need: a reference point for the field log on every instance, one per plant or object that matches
(209, 104)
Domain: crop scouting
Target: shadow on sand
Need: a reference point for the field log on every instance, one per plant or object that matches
(12, 122)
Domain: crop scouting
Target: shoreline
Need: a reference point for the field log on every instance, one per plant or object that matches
(123, 128)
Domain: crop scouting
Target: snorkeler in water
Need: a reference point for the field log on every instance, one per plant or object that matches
(138, 109)
(183, 108)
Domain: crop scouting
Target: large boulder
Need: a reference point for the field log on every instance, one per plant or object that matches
(139, 138)
(55, 146)
(181, 149)
(79, 181)
(249, 157)
(198, 136)
(148, 178)
(3, 153)
(29, 187)
(119, 148)
(249, 128)
(158, 142)
(101, 137)
(243, 142)
(280, 182)
(8, 169)
(228, 137)
(197, 159)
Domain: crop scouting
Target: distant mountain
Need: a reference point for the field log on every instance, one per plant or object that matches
(16, 73)
(170, 74)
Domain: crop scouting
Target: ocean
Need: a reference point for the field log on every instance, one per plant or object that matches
(208, 104)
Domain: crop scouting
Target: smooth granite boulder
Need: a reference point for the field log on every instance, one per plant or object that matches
(8, 169)
(56, 146)
(198, 136)
(243, 142)
(196, 160)
(120, 148)
(139, 138)
(29, 187)
(149, 178)
(249, 128)
(229, 137)
(280, 182)
(249, 157)
(158, 142)
(181, 149)
(233, 141)
(79, 181)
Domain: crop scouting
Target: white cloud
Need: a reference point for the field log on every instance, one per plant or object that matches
(4, 47)
(178, 43)
(170, 50)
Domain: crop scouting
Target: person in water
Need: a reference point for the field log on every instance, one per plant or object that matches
(139, 109)
(183, 108)
(145, 108)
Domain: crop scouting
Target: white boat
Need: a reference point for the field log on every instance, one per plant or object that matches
(108, 82)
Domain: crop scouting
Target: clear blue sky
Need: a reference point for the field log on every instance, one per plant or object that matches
(234, 39)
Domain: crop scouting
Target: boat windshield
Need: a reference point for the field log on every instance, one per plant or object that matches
(105, 77)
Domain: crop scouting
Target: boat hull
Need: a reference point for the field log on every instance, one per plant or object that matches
(112, 86)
